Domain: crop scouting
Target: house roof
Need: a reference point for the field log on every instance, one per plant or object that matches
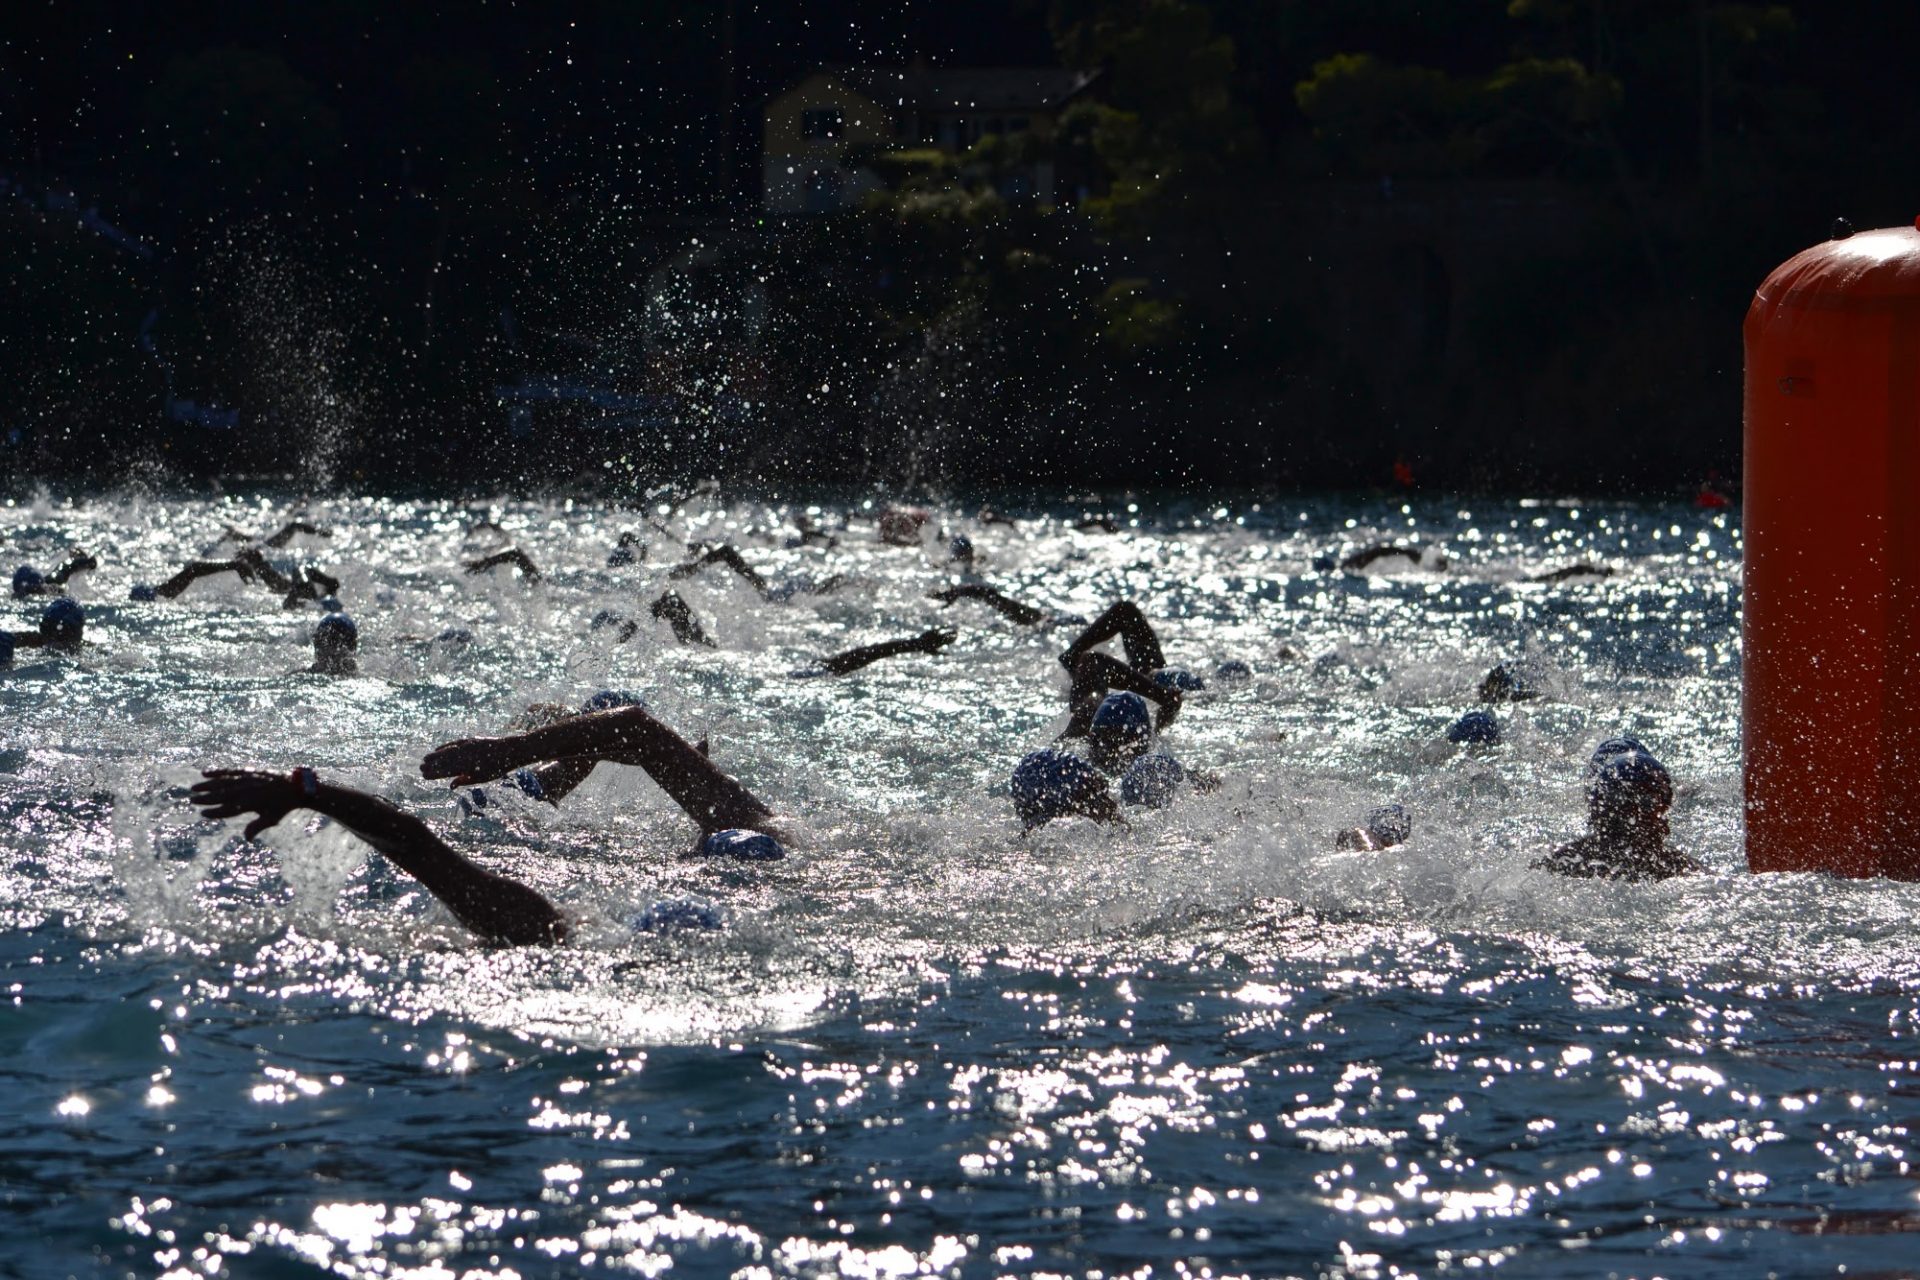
(965, 88)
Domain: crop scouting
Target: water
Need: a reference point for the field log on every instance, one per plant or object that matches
(1205, 1045)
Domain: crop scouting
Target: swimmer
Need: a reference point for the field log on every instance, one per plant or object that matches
(1581, 570)
(674, 611)
(286, 534)
(900, 526)
(1628, 795)
(930, 641)
(305, 583)
(1431, 558)
(1511, 682)
(727, 814)
(336, 639)
(499, 910)
(1386, 827)
(630, 548)
(29, 581)
(1006, 606)
(514, 556)
(1145, 671)
(63, 626)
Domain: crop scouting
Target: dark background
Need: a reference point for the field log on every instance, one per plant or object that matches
(1499, 243)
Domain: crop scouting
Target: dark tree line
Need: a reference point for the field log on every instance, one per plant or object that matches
(348, 225)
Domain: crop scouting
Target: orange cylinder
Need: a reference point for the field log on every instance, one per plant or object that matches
(1831, 700)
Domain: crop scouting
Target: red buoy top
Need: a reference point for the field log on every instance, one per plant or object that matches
(1865, 266)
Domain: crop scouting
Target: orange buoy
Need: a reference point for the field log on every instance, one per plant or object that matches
(1831, 723)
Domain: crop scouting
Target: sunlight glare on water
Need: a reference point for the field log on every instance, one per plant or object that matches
(1206, 1043)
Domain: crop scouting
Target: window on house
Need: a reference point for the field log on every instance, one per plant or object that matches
(821, 122)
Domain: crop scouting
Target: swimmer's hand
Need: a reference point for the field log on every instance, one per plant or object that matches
(469, 760)
(228, 793)
(934, 639)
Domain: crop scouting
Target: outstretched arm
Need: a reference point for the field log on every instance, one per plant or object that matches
(727, 556)
(1124, 619)
(1094, 674)
(292, 527)
(513, 556)
(686, 627)
(194, 570)
(496, 908)
(931, 641)
(1024, 614)
(76, 563)
(630, 735)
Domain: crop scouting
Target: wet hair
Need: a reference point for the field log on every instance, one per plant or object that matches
(1120, 730)
(1052, 784)
(1389, 825)
(63, 621)
(1476, 728)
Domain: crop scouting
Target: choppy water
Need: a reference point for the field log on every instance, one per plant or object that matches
(1207, 1044)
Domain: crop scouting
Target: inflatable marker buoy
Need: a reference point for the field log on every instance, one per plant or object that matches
(1832, 601)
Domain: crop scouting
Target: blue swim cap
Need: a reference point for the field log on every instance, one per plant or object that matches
(1178, 678)
(1630, 779)
(610, 700)
(1152, 781)
(619, 556)
(1476, 728)
(738, 842)
(331, 604)
(336, 631)
(1051, 784)
(1622, 745)
(671, 914)
(1325, 564)
(528, 781)
(1233, 671)
(1121, 727)
(142, 593)
(63, 621)
(453, 636)
(961, 547)
(1389, 825)
(6, 648)
(27, 581)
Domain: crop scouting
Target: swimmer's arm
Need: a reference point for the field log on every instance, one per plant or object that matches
(630, 735)
(930, 641)
(558, 778)
(195, 570)
(513, 556)
(293, 527)
(1024, 614)
(496, 908)
(76, 563)
(686, 627)
(728, 556)
(1094, 674)
(29, 640)
(250, 560)
(1124, 619)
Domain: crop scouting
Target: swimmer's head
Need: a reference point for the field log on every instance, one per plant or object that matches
(1121, 729)
(1233, 671)
(960, 547)
(1152, 781)
(1052, 784)
(27, 581)
(738, 842)
(1389, 825)
(454, 637)
(611, 700)
(604, 619)
(1178, 678)
(143, 593)
(1629, 787)
(1622, 745)
(331, 604)
(1510, 682)
(672, 915)
(335, 639)
(1475, 729)
(62, 623)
